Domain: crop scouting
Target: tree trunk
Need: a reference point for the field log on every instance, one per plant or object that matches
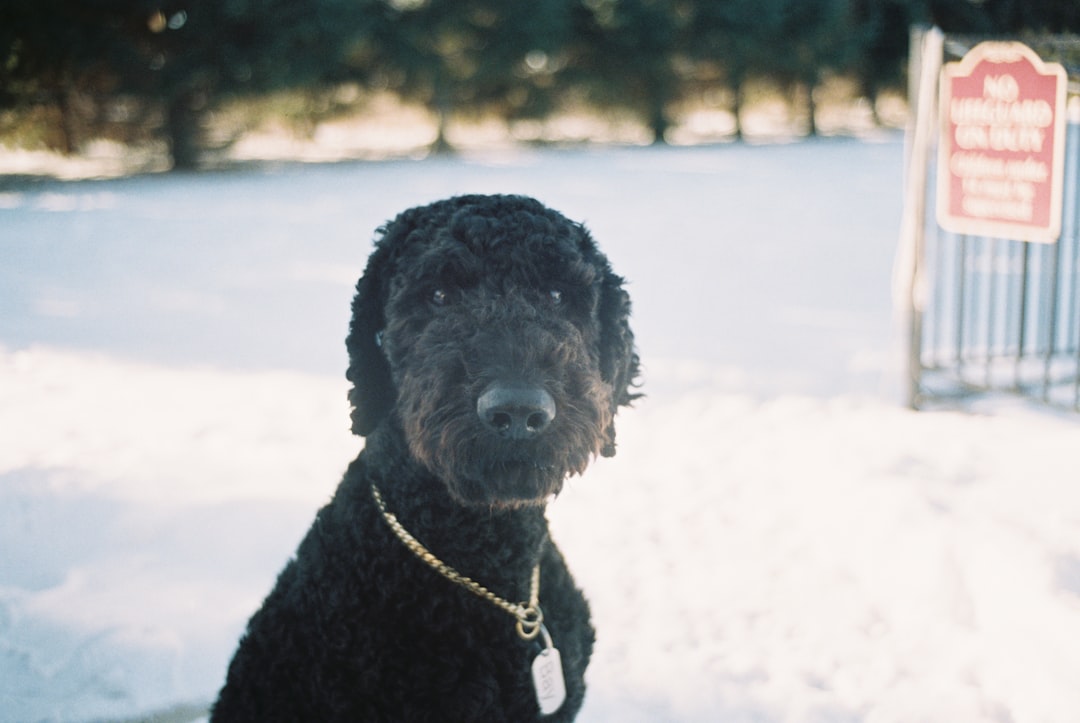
(658, 120)
(67, 121)
(872, 98)
(441, 144)
(811, 110)
(443, 109)
(737, 105)
(182, 132)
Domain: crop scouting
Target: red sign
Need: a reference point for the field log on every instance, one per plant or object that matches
(1002, 150)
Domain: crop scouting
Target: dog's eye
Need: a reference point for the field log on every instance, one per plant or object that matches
(439, 297)
(555, 296)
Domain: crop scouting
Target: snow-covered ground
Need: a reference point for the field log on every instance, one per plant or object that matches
(777, 540)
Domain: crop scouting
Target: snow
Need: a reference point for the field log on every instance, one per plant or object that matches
(778, 539)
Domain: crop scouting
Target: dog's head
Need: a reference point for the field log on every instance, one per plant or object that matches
(494, 332)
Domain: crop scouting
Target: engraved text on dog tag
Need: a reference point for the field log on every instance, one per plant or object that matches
(548, 679)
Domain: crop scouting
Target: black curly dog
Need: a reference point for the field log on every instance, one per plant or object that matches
(489, 350)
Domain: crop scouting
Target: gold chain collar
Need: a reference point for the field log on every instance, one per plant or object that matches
(528, 615)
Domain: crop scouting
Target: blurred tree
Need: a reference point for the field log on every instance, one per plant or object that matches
(956, 16)
(732, 41)
(472, 56)
(193, 53)
(176, 58)
(817, 37)
(623, 56)
(49, 51)
(882, 31)
(1003, 16)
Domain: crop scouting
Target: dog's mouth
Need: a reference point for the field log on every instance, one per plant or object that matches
(509, 483)
(483, 470)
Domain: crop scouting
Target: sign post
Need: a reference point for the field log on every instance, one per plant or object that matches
(1002, 152)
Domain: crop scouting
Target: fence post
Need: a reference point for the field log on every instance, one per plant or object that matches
(909, 292)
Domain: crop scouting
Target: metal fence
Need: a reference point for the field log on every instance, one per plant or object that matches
(992, 315)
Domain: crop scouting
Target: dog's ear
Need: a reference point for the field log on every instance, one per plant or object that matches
(619, 363)
(372, 395)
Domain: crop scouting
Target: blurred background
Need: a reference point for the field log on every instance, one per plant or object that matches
(182, 84)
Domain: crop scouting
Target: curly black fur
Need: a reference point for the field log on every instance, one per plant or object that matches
(460, 296)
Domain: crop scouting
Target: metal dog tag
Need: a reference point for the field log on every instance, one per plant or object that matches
(548, 677)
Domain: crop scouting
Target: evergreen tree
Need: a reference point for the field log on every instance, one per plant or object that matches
(1014, 16)
(733, 41)
(623, 56)
(50, 49)
(202, 51)
(174, 58)
(471, 56)
(882, 39)
(818, 36)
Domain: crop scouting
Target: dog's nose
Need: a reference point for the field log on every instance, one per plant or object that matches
(516, 411)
